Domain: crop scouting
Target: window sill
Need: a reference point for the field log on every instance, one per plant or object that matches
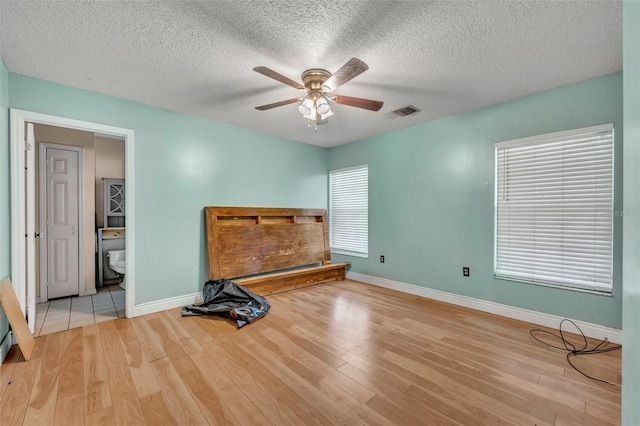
(558, 286)
(350, 253)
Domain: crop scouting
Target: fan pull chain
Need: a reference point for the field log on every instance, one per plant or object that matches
(309, 124)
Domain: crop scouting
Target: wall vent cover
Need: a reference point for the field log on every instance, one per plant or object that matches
(404, 111)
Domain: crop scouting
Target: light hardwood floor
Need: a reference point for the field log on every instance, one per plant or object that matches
(340, 353)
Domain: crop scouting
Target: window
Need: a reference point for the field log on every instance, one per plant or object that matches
(349, 211)
(554, 209)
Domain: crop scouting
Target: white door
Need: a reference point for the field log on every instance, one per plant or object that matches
(62, 212)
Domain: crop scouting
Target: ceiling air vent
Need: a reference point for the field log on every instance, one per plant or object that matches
(408, 110)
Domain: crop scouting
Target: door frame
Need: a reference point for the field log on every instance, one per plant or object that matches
(44, 244)
(19, 262)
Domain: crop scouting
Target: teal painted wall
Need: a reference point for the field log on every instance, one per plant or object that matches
(183, 163)
(431, 198)
(5, 220)
(631, 280)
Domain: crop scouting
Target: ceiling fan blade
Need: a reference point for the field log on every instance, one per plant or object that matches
(277, 76)
(277, 104)
(358, 102)
(351, 69)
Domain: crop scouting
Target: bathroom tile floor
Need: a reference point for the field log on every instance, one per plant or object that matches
(72, 312)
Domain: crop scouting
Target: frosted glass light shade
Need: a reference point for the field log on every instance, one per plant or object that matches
(327, 115)
(322, 106)
(306, 107)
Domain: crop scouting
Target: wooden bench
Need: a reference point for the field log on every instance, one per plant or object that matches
(270, 250)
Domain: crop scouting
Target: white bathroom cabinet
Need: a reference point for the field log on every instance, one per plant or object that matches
(114, 203)
(112, 236)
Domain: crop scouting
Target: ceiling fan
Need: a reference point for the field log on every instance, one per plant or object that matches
(318, 85)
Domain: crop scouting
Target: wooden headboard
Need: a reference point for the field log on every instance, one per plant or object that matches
(244, 241)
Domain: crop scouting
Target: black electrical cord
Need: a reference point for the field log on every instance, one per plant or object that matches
(572, 350)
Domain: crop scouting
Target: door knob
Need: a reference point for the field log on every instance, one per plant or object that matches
(73, 230)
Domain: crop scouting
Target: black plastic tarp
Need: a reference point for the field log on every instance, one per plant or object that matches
(228, 299)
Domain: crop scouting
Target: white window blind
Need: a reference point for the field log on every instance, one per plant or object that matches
(349, 211)
(554, 209)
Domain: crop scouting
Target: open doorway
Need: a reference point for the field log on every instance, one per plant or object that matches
(67, 145)
(77, 237)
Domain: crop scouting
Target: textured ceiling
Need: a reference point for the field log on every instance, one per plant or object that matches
(196, 58)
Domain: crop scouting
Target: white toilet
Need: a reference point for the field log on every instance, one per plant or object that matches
(117, 262)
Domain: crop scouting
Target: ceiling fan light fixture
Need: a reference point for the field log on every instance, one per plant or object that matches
(325, 116)
(315, 106)
(322, 106)
(307, 107)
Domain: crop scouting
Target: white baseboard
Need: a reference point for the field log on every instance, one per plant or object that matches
(164, 304)
(589, 329)
(5, 345)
